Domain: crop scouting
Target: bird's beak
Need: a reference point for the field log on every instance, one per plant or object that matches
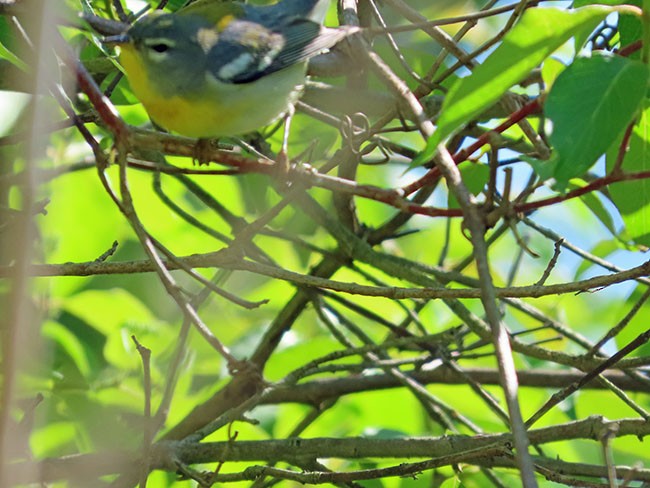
(117, 39)
(106, 27)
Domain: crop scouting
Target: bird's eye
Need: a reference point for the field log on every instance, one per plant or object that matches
(160, 47)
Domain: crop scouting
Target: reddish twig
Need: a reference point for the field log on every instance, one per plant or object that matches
(623, 148)
(629, 49)
(528, 109)
(105, 108)
(594, 185)
(433, 174)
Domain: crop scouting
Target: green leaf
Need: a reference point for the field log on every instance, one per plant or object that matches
(595, 205)
(535, 37)
(175, 5)
(591, 103)
(475, 176)
(632, 198)
(641, 317)
(69, 343)
(49, 439)
(12, 58)
(117, 314)
(122, 93)
(8, 45)
(582, 3)
(451, 483)
(602, 249)
(630, 29)
(545, 169)
(551, 70)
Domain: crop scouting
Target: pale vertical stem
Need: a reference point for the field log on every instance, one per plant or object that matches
(19, 316)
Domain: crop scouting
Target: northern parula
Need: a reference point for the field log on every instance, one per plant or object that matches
(223, 68)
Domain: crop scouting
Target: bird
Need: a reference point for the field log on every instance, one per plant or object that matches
(224, 68)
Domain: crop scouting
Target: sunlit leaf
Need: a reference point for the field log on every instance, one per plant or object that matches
(632, 198)
(591, 103)
(70, 343)
(595, 205)
(602, 250)
(539, 32)
(475, 177)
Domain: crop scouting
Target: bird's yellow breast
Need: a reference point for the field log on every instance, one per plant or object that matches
(217, 109)
(175, 113)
